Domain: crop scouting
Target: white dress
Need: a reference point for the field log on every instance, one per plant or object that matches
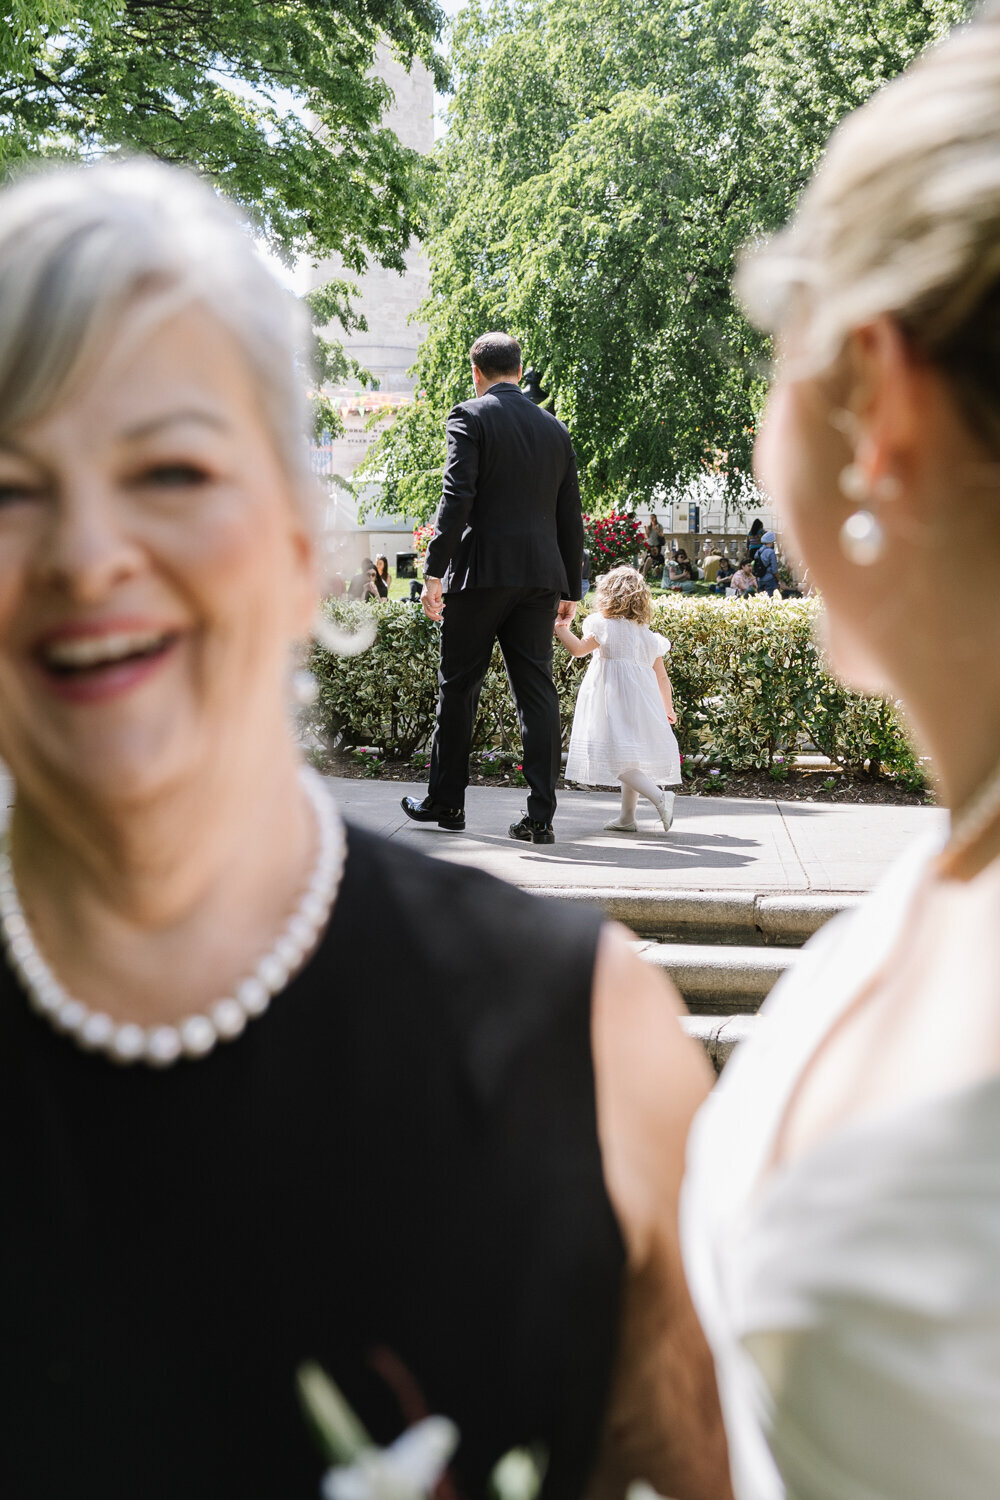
(620, 723)
(852, 1295)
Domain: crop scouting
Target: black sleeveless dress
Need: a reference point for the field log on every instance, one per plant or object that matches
(395, 1172)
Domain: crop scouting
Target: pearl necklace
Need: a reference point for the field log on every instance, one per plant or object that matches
(195, 1035)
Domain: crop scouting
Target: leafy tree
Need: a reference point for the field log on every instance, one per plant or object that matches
(275, 102)
(816, 60)
(604, 161)
(819, 59)
(408, 458)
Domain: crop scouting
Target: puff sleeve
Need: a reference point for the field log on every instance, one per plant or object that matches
(658, 646)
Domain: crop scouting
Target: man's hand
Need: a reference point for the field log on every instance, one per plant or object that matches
(431, 598)
(566, 613)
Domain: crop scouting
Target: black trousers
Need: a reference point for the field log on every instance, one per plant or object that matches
(521, 620)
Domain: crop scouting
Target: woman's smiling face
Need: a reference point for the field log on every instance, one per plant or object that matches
(154, 569)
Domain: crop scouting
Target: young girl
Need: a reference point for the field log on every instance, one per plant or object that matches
(621, 728)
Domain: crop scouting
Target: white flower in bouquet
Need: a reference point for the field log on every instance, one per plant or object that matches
(410, 1468)
(407, 1470)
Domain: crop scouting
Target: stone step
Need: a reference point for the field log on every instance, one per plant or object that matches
(716, 980)
(727, 918)
(720, 1035)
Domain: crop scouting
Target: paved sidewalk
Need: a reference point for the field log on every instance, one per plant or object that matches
(716, 843)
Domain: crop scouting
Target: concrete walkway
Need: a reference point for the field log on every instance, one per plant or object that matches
(716, 843)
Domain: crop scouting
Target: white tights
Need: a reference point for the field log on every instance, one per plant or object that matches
(636, 784)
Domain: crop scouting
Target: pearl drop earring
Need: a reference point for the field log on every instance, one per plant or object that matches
(862, 539)
(853, 484)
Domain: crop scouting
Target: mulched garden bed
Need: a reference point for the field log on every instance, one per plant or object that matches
(798, 786)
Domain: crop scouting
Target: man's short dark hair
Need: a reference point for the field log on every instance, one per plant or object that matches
(496, 354)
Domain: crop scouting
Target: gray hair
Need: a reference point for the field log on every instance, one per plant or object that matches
(903, 218)
(82, 246)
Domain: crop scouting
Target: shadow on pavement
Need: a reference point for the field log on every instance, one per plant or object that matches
(664, 852)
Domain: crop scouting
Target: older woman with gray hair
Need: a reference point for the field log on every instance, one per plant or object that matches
(842, 1210)
(224, 1154)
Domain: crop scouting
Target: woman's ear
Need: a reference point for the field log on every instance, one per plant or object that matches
(306, 583)
(886, 399)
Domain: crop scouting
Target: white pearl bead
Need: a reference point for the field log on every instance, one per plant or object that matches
(163, 1046)
(21, 946)
(50, 997)
(253, 996)
(71, 1015)
(302, 933)
(197, 1036)
(15, 924)
(862, 539)
(313, 909)
(288, 952)
(272, 973)
(96, 1032)
(228, 1017)
(128, 1043)
(34, 969)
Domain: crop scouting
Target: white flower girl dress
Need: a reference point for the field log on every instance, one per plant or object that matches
(620, 723)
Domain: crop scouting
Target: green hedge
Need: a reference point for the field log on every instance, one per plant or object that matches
(749, 684)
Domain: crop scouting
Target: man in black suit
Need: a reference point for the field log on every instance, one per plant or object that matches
(503, 564)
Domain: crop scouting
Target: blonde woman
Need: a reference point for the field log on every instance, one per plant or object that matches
(842, 1210)
(624, 709)
(225, 1151)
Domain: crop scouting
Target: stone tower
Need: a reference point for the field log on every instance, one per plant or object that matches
(388, 349)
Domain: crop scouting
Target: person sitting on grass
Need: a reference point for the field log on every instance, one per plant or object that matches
(724, 576)
(681, 570)
(624, 710)
(743, 582)
(711, 560)
(369, 588)
(358, 586)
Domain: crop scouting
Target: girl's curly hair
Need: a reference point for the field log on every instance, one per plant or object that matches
(623, 594)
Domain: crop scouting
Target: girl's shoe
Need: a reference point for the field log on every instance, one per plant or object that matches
(665, 808)
(617, 826)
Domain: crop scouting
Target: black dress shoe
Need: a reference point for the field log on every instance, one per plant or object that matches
(530, 831)
(429, 811)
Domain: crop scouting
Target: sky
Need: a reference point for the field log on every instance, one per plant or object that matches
(450, 8)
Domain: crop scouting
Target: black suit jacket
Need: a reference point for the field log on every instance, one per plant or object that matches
(510, 508)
